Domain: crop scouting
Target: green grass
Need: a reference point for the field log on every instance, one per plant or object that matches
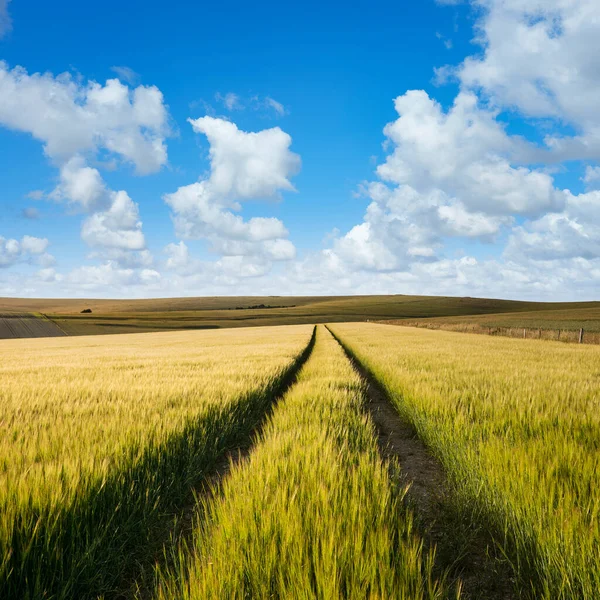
(516, 424)
(312, 513)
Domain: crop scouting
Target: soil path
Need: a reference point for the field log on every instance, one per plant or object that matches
(469, 554)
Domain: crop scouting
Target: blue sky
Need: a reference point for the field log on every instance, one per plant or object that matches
(483, 183)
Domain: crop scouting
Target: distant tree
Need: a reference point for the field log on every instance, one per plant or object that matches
(86, 311)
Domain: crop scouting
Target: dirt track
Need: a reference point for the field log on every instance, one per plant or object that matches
(472, 560)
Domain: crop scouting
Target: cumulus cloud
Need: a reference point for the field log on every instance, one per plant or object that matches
(81, 185)
(76, 121)
(541, 58)
(117, 227)
(572, 233)
(70, 117)
(465, 152)
(592, 176)
(13, 251)
(457, 174)
(244, 166)
(110, 275)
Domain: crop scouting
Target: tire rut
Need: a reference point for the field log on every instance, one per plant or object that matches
(471, 555)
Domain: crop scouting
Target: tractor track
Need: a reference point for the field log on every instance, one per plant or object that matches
(473, 560)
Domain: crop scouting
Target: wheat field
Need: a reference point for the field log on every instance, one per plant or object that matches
(100, 435)
(109, 444)
(313, 512)
(516, 424)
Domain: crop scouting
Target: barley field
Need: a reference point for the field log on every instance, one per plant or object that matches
(516, 425)
(100, 436)
(248, 463)
(313, 513)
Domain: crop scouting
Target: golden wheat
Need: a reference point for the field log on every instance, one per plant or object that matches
(516, 423)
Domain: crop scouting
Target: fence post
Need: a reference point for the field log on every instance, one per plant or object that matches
(581, 336)
(524, 333)
(558, 336)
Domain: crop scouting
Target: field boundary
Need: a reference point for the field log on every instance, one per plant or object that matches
(101, 542)
(566, 336)
(468, 553)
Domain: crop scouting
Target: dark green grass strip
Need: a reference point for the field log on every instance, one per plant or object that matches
(87, 547)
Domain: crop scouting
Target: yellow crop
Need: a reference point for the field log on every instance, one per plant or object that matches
(312, 513)
(516, 424)
(98, 435)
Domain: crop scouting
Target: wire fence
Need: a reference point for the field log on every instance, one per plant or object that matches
(568, 336)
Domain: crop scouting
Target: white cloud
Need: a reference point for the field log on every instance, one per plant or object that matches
(247, 165)
(126, 258)
(541, 58)
(466, 153)
(573, 233)
(230, 101)
(244, 166)
(5, 20)
(33, 245)
(456, 173)
(276, 106)
(81, 185)
(179, 256)
(75, 121)
(403, 226)
(118, 227)
(49, 275)
(126, 74)
(110, 276)
(72, 118)
(12, 250)
(592, 176)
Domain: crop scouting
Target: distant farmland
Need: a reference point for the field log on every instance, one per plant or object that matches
(169, 314)
(24, 325)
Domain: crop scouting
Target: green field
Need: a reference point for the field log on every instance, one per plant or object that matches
(254, 463)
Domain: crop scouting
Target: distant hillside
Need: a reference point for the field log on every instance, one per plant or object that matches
(24, 325)
(162, 314)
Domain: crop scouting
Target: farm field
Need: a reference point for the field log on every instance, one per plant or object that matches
(313, 512)
(167, 314)
(26, 325)
(103, 437)
(554, 324)
(249, 463)
(516, 426)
